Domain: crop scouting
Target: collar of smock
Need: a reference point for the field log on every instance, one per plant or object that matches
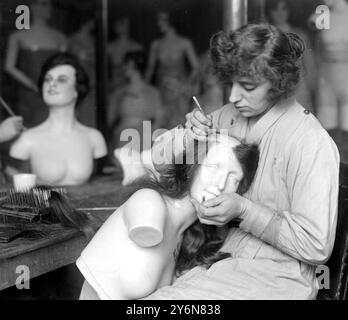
(253, 133)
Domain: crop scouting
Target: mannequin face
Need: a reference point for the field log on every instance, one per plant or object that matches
(220, 171)
(59, 86)
(163, 22)
(121, 27)
(129, 69)
(280, 14)
(42, 9)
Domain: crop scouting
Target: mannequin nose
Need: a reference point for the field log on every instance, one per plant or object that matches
(221, 181)
(52, 83)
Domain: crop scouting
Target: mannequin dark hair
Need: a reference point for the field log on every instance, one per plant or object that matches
(273, 5)
(259, 51)
(201, 243)
(138, 58)
(60, 59)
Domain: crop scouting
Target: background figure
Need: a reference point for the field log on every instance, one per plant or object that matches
(61, 150)
(27, 51)
(278, 14)
(169, 56)
(9, 129)
(332, 93)
(117, 49)
(211, 93)
(135, 102)
(82, 44)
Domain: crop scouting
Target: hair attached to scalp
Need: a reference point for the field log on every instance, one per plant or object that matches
(259, 51)
(201, 243)
(138, 58)
(60, 59)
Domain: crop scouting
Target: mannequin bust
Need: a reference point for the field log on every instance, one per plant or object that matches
(136, 251)
(61, 150)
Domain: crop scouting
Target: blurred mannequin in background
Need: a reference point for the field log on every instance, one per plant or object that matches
(134, 103)
(27, 50)
(211, 93)
(82, 44)
(278, 14)
(117, 50)
(332, 54)
(169, 56)
(61, 150)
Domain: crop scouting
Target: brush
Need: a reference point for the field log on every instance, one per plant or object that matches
(30, 205)
(7, 107)
(201, 110)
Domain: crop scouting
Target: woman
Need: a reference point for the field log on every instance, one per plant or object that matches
(26, 53)
(289, 214)
(332, 93)
(169, 55)
(135, 103)
(144, 243)
(61, 150)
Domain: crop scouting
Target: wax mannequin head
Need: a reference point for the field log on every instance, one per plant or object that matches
(220, 172)
(278, 12)
(59, 67)
(41, 9)
(121, 27)
(134, 64)
(179, 181)
(59, 86)
(164, 22)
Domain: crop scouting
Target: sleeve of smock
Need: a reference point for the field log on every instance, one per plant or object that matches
(307, 231)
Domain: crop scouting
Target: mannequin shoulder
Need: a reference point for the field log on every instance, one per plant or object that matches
(146, 199)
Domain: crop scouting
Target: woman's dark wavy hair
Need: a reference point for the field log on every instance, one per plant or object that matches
(201, 243)
(259, 51)
(59, 59)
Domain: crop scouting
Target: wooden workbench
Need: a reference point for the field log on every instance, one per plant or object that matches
(59, 246)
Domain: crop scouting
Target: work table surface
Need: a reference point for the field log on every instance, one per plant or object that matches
(59, 246)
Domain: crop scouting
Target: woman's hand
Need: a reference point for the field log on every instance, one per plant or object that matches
(220, 210)
(10, 128)
(198, 124)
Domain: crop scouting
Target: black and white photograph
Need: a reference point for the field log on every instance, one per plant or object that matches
(173, 150)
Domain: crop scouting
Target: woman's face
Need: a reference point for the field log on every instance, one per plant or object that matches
(249, 97)
(59, 86)
(280, 14)
(220, 171)
(42, 9)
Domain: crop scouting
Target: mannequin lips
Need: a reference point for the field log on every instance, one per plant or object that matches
(207, 195)
(52, 92)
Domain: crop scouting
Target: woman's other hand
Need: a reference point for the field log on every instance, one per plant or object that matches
(10, 128)
(221, 210)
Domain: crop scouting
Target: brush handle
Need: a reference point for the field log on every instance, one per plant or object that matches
(6, 107)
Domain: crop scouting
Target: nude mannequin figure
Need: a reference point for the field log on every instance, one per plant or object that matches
(60, 150)
(332, 93)
(27, 50)
(118, 48)
(169, 54)
(40, 36)
(120, 265)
